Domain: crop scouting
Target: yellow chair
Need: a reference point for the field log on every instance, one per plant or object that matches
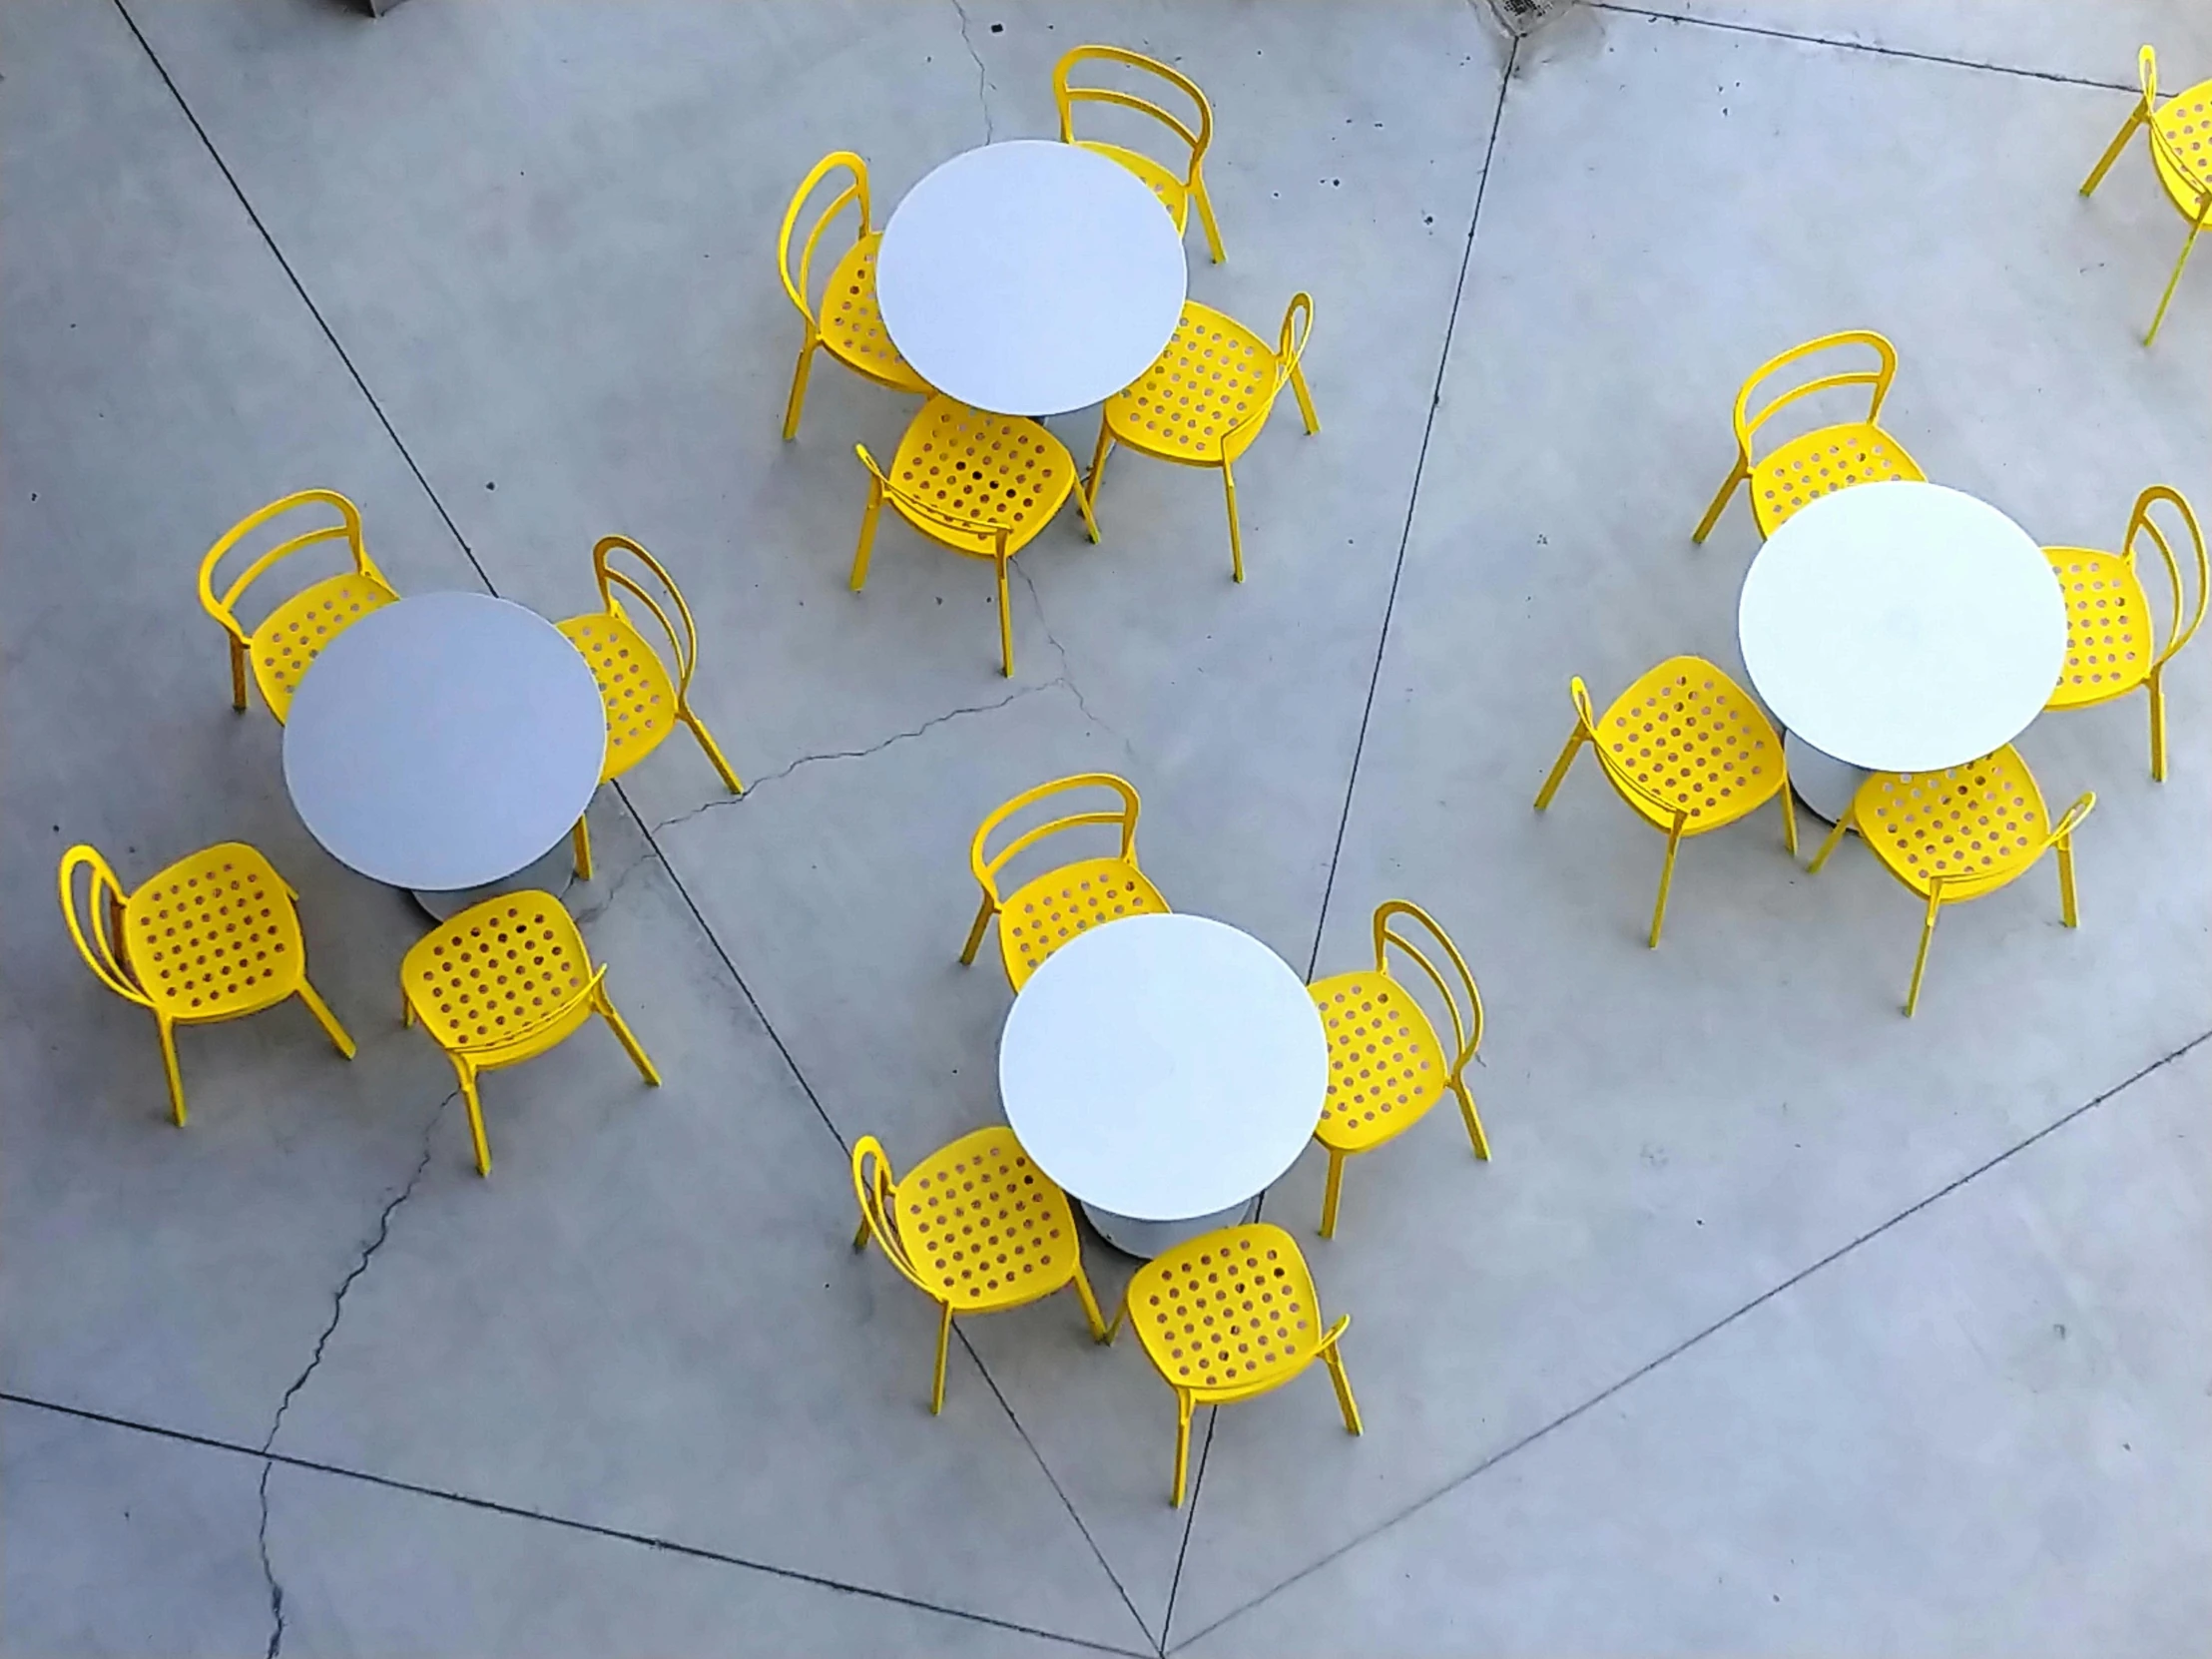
(2180, 150)
(1820, 462)
(1230, 1315)
(295, 633)
(502, 982)
(977, 1227)
(1955, 835)
(1175, 193)
(2111, 646)
(848, 324)
(1386, 1064)
(644, 700)
(1205, 398)
(1045, 913)
(1689, 749)
(214, 936)
(980, 484)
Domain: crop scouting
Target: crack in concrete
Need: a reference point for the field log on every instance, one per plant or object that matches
(982, 75)
(592, 913)
(337, 1312)
(1066, 676)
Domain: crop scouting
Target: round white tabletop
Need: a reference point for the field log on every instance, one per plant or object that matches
(1030, 278)
(1902, 627)
(1163, 1067)
(444, 741)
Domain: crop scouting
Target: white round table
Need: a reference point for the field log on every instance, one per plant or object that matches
(444, 742)
(1899, 627)
(1030, 278)
(1163, 1069)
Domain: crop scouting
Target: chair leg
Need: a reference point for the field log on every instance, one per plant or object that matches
(797, 403)
(2112, 151)
(1182, 1447)
(2157, 728)
(238, 674)
(1740, 473)
(1473, 1119)
(1091, 1315)
(1098, 458)
(868, 534)
(975, 934)
(476, 1107)
(2068, 910)
(714, 752)
(1560, 767)
(1789, 813)
(1666, 880)
(859, 1238)
(1304, 400)
(580, 838)
(1005, 625)
(1083, 504)
(1331, 1190)
(1206, 220)
(944, 1342)
(1345, 1402)
(1835, 838)
(2173, 281)
(630, 1045)
(1919, 962)
(327, 1020)
(169, 1070)
(1236, 536)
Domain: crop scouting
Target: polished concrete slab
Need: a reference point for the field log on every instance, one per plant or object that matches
(503, 272)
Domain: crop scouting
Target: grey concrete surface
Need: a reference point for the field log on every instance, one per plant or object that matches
(524, 251)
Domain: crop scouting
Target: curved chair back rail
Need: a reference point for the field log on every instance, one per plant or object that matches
(1177, 193)
(2182, 156)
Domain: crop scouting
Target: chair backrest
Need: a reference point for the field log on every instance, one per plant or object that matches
(1876, 378)
(987, 865)
(1619, 776)
(2188, 614)
(1397, 922)
(930, 511)
(98, 928)
(224, 608)
(799, 282)
(1196, 136)
(1298, 324)
(2168, 153)
(682, 632)
(876, 1187)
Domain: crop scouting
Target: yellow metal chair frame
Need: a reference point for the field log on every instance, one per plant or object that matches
(1666, 747)
(1206, 397)
(1176, 194)
(214, 936)
(1229, 1315)
(1045, 913)
(2180, 150)
(848, 326)
(1958, 834)
(2111, 646)
(502, 982)
(295, 633)
(644, 700)
(977, 1227)
(1818, 462)
(1386, 1064)
(978, 484)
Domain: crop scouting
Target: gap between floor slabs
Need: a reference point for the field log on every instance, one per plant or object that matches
(1719, 1325)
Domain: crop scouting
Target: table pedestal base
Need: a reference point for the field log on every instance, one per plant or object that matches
(1825, 783)
(551, 874)
(1147, 1239)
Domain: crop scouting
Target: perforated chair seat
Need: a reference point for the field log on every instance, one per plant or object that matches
(1230, 1315)
(1819, 464)
(296, 632)
(2109, 646)
(1975, 826)
(1690, 736)
(215, 936)
(1385, 1066)
(1174, 193)
(983, 1226)
(635, 686)
(1043, 914)
(997, 470)
(853, 325)
(2185, 120)
(1213, 378)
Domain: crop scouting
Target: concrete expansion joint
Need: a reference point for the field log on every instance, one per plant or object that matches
(337, 1311)
(982, 75)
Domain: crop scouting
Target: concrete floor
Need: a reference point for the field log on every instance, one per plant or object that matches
(1777, 1324)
